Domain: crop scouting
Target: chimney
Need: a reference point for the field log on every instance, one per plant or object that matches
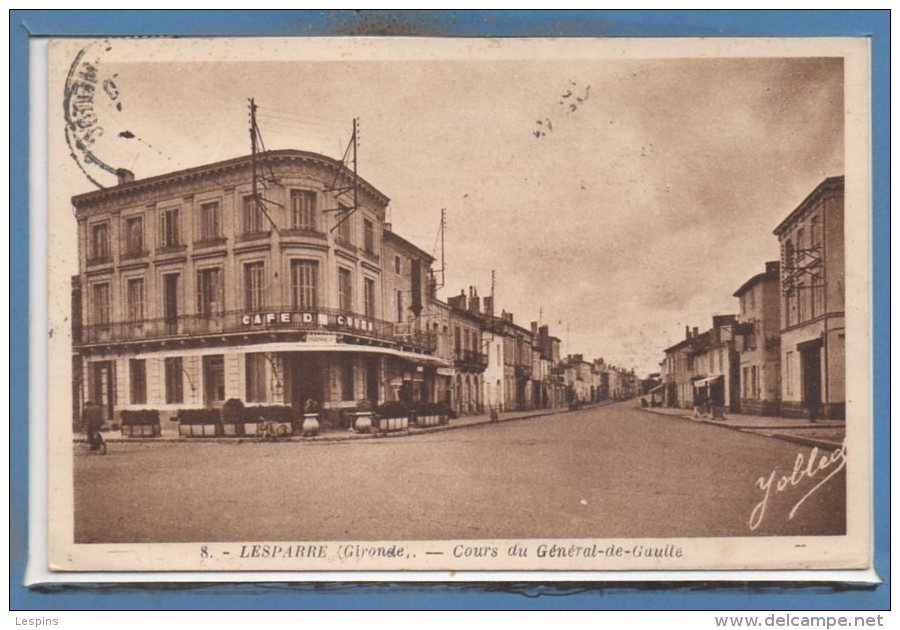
(124, 175)
(696, 331)
(687, 332)
(488, 305)
(534, 328)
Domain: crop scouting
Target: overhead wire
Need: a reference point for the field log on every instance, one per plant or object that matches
(295, 114)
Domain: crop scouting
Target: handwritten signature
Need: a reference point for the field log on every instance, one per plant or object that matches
(804, 468)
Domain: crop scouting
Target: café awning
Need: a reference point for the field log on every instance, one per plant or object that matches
(709, 380)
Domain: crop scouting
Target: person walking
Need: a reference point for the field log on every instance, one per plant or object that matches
(92, 420)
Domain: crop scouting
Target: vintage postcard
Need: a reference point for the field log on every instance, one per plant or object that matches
(384, 304)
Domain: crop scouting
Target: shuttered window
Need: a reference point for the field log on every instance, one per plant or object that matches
(304, 284)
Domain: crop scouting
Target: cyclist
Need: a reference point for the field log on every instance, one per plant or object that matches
(92, 418)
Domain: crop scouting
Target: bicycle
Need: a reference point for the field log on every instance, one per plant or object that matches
(271, 431)
(96, 444)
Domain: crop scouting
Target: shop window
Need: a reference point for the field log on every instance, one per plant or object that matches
(137, 371)
(255, 372)
(174, 380)
(214, 378)
(347, 380)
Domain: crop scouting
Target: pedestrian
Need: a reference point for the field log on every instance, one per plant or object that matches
(92, 419)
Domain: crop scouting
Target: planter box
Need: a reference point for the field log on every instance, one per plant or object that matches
(428, 421)
(393, 424)
(198, 430)
(141, 430)
(232, 429)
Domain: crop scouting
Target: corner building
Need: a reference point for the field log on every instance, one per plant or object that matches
(187, 294)
(813, 366)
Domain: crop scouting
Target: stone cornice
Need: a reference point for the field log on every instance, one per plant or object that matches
(122, 194)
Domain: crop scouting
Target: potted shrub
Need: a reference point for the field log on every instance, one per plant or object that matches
(280, 418)
(444, 412)
(198, 422)
(233, 418)
(310, 426)
(141, 423)
(362, 419)
(393, 416)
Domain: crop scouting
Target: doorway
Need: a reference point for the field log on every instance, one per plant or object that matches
(306, 379)
(812, 381)
(102, 386)
(372, 380)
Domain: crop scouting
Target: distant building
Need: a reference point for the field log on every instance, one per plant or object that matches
(677, 370)
(714, 365)
(812, 313)
(469, 358)
(758, 341)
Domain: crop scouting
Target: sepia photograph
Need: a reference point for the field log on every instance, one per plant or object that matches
(459, 304)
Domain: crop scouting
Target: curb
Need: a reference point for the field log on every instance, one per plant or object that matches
(804, 441)
(785, 437)
(332, 439)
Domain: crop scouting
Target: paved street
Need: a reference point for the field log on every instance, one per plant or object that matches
(605, 472)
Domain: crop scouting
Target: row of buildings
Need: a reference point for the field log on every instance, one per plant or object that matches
(782, 353)
(190, 291)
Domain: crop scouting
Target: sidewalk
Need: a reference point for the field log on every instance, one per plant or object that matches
(170, 430)
(827, 434)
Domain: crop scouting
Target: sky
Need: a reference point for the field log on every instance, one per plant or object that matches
(617, 222)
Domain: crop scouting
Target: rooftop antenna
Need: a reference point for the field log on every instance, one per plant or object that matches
(443, 269)
(255, 142)
(340, 185)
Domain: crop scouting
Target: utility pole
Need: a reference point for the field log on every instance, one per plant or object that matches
(253, 148)
(443, 261)
(255, 141)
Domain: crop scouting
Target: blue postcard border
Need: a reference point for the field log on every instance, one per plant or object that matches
(26, 24)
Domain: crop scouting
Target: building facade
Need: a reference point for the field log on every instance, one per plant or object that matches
(758, 341)
(811, 239)
(193, 292)
(469, 357)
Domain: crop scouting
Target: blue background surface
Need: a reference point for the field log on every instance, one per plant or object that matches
(25, 24)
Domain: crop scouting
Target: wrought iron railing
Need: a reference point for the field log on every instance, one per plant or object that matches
(270, 320)
(470, 358)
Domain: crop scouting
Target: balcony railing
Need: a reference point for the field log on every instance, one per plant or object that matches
(470, 359)
(271, 320)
